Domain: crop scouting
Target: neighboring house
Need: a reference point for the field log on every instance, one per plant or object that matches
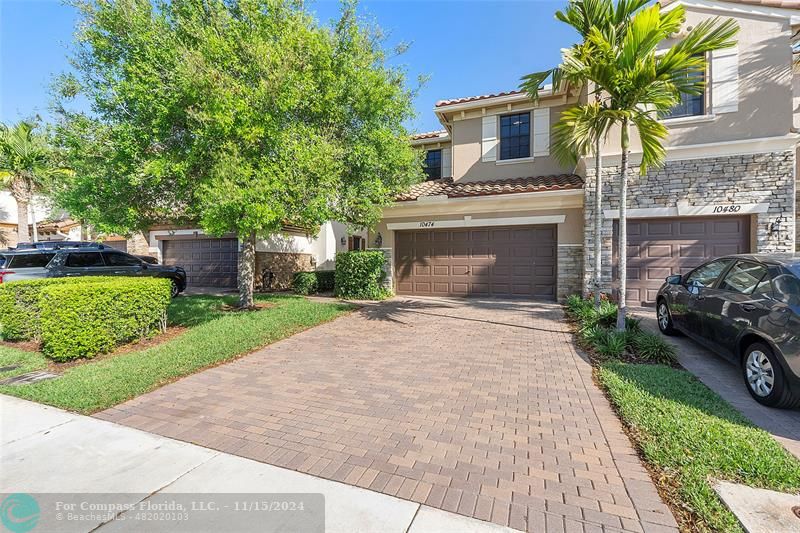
(500, 216)
(213, 261)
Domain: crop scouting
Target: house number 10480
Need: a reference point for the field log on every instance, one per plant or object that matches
(727, 208)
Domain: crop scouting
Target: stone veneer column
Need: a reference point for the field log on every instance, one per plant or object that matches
(570, 270)
(741, 179)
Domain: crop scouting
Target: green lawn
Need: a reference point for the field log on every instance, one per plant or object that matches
(691, 434)
(214, 336)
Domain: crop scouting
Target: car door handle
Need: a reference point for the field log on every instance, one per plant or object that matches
(748, 307)
(700, 297)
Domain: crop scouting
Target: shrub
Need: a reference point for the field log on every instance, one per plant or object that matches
(612, 344)
(19, 305)
(84, 319)
(313, 282)
(326, 280)
(360, 275)
(653, 348)
(305, 283)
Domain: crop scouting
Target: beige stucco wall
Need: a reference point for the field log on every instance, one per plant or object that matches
(765, 88)
(467, 163)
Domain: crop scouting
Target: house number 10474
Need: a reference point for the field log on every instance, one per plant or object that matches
(727, 208)
(426, 224)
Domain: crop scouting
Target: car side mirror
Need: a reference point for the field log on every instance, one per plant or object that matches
(675, 279)
(144, 265)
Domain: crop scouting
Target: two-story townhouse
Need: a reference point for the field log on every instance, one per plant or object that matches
(507, 219)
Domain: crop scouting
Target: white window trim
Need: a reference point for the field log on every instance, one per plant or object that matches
(683, 209)
(691, 119)
(514, 161)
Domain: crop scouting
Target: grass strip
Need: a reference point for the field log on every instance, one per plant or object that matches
(214, 337)
(691, 435)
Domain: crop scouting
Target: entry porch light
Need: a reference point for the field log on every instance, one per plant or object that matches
(776, 227)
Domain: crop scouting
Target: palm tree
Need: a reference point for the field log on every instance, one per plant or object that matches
(24, 164)
(585, 16)
(640, 84)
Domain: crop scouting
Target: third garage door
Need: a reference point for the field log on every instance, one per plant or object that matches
(208, 262)
(492, 261)
(660, 247)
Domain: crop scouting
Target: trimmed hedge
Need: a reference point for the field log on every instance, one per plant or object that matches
(313, 282)
(19, 305)
(84, 319)
(360, 275)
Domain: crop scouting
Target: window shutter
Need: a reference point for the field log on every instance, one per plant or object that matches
(541, 131)
(725, 80)
(447, 163)
(350, 244)
(489, 138)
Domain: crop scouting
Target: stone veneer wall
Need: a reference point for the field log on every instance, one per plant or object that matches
(139, 245)
(743, 179)
(283, 265)
(570, 270)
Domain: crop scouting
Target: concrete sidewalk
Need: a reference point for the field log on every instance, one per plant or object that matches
(46, 450)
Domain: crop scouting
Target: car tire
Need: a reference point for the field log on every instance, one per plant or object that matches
(765, 379)
(174, 290)
(664, 318)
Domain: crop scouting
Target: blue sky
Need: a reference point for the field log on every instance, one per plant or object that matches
(465, 47)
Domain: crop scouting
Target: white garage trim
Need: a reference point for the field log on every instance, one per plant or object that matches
(468, 222)
(685, 210)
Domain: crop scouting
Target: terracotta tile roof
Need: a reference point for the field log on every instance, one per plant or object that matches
(451, 189)
(428, 135)
(780, 4)
(442, 103)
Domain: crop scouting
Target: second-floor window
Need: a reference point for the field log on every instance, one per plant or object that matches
(691, 105)
(433, 164)
(515, 136)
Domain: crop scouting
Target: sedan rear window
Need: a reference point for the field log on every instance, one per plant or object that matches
(30, 260)
(743, 278)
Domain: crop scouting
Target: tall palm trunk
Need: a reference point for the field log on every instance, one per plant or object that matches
(22, 195)
(598, 222)
(623, 225)
(247, 267)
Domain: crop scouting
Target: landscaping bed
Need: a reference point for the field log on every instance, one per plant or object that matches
(212, 336)
(686, 433)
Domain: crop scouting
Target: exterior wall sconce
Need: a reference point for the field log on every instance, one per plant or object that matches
(776, 227)
(378, 240)
(343, 241)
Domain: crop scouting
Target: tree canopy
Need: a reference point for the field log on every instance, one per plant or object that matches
(240, 115)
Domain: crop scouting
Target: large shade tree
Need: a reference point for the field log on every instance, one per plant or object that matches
(243, 116)
(640, 76)
(26, 165)
(569, 142)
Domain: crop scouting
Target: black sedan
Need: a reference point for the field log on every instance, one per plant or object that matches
(747, 309)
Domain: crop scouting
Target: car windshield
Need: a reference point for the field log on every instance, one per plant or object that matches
(2, 261)
(795, 269)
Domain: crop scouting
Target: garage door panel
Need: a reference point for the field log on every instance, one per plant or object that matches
(208, 262)
(496, 261)
(661, 247)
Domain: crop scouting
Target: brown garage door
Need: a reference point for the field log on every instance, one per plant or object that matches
(493, 261)
(660, 247)
(208, 262)
(117, 245)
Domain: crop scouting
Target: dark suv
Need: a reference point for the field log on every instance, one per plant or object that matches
(747, 309)
(83, 260)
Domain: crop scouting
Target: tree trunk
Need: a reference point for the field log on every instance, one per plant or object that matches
(598, 222)
(623, 225)
(247, 267)
(33, 222)
(22, 217)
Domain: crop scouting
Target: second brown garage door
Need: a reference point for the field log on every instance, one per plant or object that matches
(494, 261)
(208, 262)
(663, 246)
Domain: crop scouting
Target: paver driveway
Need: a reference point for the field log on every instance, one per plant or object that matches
(480, 407)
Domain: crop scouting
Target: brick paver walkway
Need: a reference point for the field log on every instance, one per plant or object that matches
(480, 407)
